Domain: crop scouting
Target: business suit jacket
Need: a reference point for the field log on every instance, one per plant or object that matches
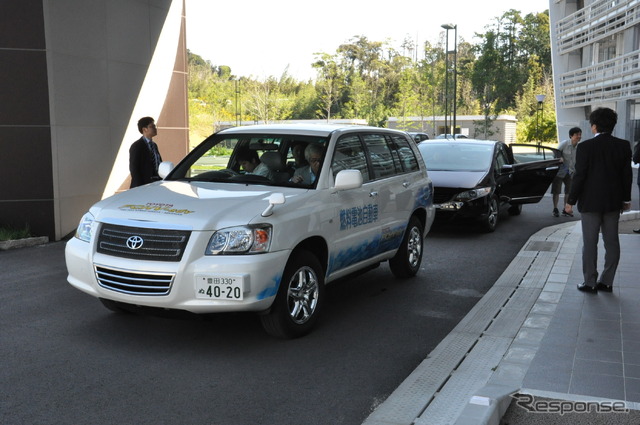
(305, 173)
(636, 157)
(141, 164)
(603, 177)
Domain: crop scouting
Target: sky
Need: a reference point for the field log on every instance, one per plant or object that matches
(262, 38)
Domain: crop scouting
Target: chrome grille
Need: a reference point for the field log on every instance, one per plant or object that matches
(152, 244)
(134, 283)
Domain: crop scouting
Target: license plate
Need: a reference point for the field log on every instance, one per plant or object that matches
(220, 287)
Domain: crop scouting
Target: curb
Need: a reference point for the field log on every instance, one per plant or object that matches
(23, 243)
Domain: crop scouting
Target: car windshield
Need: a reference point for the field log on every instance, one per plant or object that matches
(456, 156)
(264, 159)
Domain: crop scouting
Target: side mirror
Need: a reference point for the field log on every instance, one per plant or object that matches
(274, 199)
(348, 179)
(165, 168)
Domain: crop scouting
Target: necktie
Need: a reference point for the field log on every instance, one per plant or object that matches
(155, 153)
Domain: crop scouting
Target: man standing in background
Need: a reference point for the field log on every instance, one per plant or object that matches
(568, 167)
(144, 156)
(602, 188)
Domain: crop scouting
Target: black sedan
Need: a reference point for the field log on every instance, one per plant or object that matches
(476, 179)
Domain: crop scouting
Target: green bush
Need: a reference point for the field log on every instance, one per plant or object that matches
(220, 151)
(10, 233)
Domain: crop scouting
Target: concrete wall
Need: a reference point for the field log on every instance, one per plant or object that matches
(77, 75)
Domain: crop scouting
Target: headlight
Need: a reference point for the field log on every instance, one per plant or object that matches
(240, 240)
(472, 194)
(85, 228)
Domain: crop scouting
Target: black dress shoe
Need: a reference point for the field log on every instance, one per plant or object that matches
(636, 230)
(586, 288)
(602, 287)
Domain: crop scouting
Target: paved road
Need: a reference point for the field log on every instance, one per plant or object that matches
(68, 360)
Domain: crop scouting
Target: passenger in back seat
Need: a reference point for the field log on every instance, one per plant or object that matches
(309, 173)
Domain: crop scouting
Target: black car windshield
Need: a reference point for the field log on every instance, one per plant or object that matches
(265, 159)
(456, 156)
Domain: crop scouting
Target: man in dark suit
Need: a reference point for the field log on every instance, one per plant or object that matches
(144, 156)
(602, 188)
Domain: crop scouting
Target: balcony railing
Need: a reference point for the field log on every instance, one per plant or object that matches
(595, 22)
(617, 78)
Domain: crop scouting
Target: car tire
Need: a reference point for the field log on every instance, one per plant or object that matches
(300, 296)
(406, 262)
(515, 209)
(490, 220)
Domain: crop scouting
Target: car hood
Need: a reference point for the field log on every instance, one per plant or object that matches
(193, 206)
(458, 179)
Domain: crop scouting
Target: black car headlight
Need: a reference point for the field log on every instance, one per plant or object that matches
(472, 194)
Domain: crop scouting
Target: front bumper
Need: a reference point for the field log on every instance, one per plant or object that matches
(261, 275)
(476, 208)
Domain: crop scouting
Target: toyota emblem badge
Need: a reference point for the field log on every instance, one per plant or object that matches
(134, 242)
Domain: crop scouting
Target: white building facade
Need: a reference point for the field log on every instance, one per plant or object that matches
(595, 47)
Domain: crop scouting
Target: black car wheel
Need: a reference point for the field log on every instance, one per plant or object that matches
(407, 260)
(490, 221)
(300, 296)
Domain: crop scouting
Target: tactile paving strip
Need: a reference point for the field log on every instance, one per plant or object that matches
(406, 403)
(473, 374)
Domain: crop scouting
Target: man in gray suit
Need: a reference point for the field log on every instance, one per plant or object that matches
(602, 188)
(308, 174)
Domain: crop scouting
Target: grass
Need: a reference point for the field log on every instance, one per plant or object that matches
(11, 233)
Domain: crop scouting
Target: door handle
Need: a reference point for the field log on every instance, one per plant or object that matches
(406, 184)
(373, 194)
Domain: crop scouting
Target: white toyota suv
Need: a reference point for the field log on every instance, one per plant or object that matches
(246, 222)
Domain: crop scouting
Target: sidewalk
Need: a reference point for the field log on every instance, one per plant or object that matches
(534, 333)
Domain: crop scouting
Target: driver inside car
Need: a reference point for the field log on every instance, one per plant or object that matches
(250, 163)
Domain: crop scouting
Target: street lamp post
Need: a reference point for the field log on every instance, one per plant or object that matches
(453, 27)
(238, 111)
(446, 82)
(539, 115)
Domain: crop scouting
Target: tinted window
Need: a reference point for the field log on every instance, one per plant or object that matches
(405, 153)
(380, 155)
(349, 155)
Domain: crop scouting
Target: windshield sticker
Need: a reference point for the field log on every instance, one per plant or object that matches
(155, 207)
(358, 216)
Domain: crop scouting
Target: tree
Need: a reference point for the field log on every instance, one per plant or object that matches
(373, 80)
(330, 82)
(266, 102)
